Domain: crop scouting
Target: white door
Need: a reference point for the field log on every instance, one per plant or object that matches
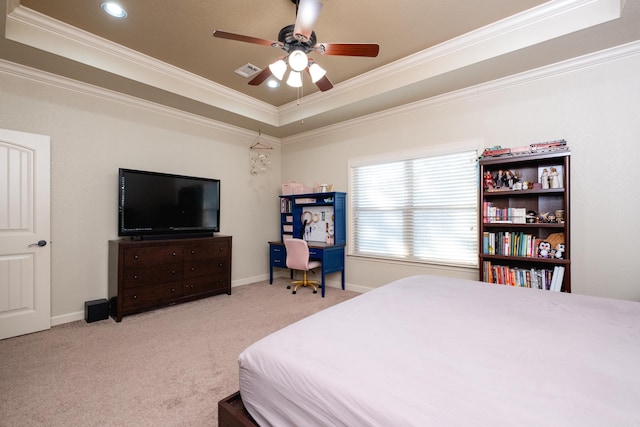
(25, 264)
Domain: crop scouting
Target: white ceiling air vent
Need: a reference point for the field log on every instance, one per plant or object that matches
(248, 70)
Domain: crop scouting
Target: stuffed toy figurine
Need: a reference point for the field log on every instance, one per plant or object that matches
(489, 183)
(559, 250)
(544, 249)
(499, 179)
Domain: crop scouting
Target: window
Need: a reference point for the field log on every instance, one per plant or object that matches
(420, 209)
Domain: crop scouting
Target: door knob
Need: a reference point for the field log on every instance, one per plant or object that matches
(40, 243)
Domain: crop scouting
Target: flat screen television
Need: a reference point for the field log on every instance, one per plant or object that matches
(158, 205)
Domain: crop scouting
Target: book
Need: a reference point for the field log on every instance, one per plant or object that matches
(558, 276)
(519, 215)
(554, 279)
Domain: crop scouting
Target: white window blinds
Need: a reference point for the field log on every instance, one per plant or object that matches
(421, 209)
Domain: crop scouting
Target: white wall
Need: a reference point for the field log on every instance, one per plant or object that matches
(91, 137)
(596, 109)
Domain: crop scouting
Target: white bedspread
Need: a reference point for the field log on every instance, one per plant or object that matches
(433, 351)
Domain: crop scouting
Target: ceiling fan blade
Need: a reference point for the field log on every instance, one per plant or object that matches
(261, 77)
(247, 39)
(307, 15)
(324, 84)
(348, 49)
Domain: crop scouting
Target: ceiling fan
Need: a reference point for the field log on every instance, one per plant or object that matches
(298, 40)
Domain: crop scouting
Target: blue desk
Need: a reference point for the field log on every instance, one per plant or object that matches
(331, 256)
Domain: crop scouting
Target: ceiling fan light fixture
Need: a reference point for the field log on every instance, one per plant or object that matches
(295, 79)
(298, 60)
(278, 69)
(316, 72)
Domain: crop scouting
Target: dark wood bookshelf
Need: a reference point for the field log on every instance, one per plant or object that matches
(526, 167)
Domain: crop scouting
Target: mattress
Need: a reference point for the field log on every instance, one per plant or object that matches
(429, 350)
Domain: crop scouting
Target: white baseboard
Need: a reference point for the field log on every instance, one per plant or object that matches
(330, 283)
(79, 315)
(249, 280)
(67, 318)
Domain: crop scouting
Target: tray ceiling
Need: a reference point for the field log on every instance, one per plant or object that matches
(164, 50)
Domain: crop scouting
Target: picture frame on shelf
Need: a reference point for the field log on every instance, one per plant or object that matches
(551, 176)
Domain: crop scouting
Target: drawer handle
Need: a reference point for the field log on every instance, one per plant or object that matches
(193, 269)
(173, 253)
(135, 277)
(221, 249)
(135, 297)
(173, 272)
(173, 289)
(135, 257)
(192, 251)
(221, 265)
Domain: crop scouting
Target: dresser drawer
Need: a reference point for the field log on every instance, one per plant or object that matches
(151, 256)
(278, 256)
(141, 276)
(151, 295)
(206, 251)
(205, 267)
(213, 282)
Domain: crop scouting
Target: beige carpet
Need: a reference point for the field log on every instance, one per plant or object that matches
(168, 367)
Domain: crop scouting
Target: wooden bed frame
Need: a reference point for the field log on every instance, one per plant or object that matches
(232, 413)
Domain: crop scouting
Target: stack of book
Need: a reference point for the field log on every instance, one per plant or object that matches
(510, 243)
(285, 205)
(492, 214)
(537, 278)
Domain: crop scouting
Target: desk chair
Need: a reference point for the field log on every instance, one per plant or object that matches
(298, 259)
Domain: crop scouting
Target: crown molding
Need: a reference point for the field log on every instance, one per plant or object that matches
(572, 65)
(550, 71)
(43, 77)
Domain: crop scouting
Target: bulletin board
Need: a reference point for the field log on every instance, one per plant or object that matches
(319, 224)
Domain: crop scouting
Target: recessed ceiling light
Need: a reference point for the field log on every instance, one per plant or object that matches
(272, 83)
(114, 9)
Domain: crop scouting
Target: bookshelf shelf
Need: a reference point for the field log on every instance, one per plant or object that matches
(523, 193)
(516, 225)
(534, 260)
(520, 230)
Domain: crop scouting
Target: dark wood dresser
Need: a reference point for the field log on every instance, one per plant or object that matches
(144, 275)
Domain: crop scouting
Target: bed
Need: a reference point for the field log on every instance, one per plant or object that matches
(429, 350)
